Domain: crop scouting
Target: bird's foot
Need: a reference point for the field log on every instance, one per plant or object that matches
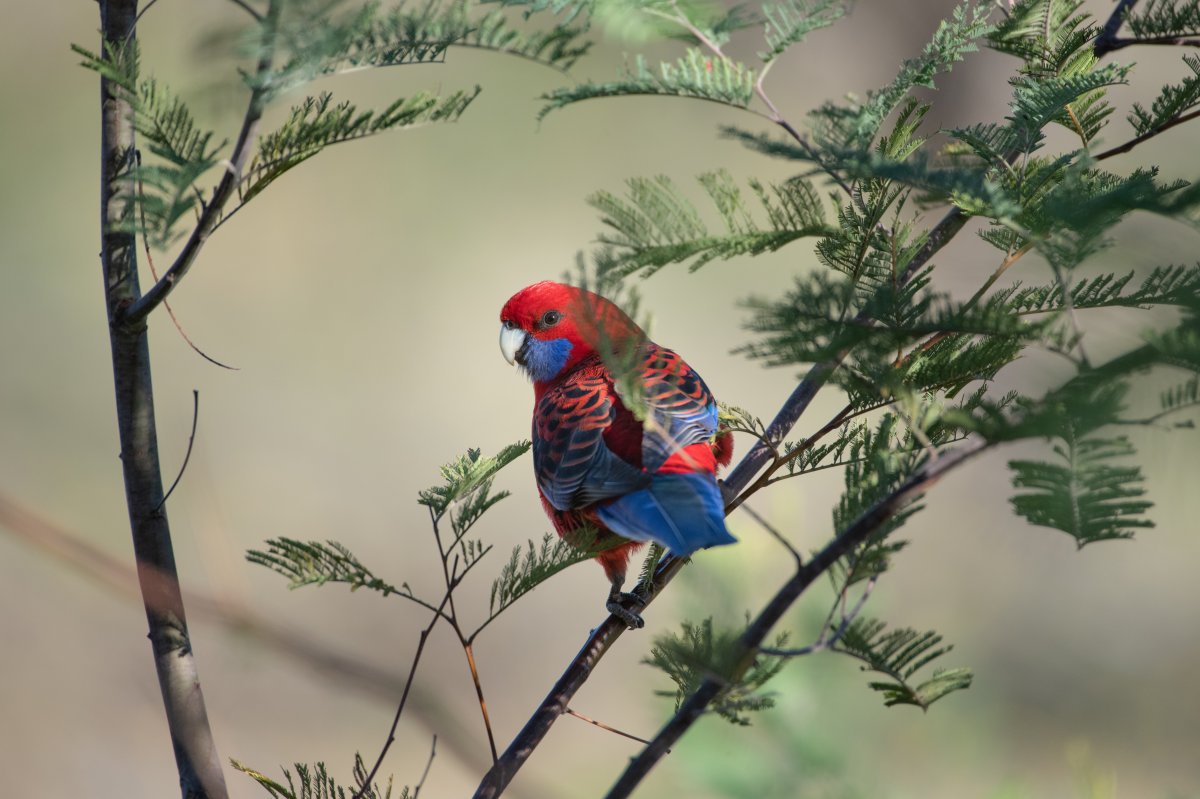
(621, 604)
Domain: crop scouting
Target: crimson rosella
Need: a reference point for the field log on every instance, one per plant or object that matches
(594, 461)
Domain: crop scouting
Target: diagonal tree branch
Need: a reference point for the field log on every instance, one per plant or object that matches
(749, 645)
(196, 756)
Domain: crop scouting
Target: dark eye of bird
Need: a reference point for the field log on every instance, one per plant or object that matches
(509, 324)
(551, 318)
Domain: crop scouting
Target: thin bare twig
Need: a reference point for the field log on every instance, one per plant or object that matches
(428, 765)
(187, 455)
(604, 726)
(364, 785)
(770, 528)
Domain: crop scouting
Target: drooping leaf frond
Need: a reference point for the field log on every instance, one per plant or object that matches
(1173, 101)
(655, 225)
(315, 42)
(314, 782)
(317, 563)
(1182, 396)
(698, 652)
(788, 22)
(1165, 285)
(468, 474)
(318, 123)
(696, 74)
(899, 654)
(1083, 494)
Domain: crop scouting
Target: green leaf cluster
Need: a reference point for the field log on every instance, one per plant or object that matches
(702, 651)
(899, 654)
(314, 782)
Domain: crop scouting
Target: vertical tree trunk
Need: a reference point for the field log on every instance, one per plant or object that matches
(196, 756)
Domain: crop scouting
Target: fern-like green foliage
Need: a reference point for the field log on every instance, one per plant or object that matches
(317, 42)
(1085, 494)
(656, 225)
(528, 568)
(306, 563)
(1174, 100)
(314, 782)
(899, 654)
(788, 22)
(466, 475)
(1061, 80)
(701, 651)
(1155, 18)
(852, 127)
(696, 74)
(164, 189)
(1165, 285)
(318, 122)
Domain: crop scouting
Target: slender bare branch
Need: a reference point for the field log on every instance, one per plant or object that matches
(604, 726)
(187, 456)
(196, 756)
(428, 764)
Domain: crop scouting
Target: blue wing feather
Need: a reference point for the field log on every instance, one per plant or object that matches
(682, 512)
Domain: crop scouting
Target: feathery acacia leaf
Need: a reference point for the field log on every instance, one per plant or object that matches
(698, 652)
(1157, 18)
(1172, 101)
(318, 122)
(314, 782)
(899, 654)
(327, 44)
(655, 225)
(528, 568)
(317, 563)
(788, 22)
(467, 474)
(850, 128)
(1085, 495)
(696, 74)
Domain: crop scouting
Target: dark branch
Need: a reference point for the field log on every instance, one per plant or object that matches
(187, 456)
(196, 756)
(1104, 42)
(1150, 134)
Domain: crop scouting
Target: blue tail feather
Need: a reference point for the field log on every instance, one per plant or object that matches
(682, 512)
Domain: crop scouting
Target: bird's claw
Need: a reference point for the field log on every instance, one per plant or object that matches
(616, 605)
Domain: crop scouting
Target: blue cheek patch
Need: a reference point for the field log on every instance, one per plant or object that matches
(545, 359)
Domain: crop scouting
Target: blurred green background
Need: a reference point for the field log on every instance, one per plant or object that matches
(359, 299)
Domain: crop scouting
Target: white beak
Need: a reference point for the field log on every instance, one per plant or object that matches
(511, 341)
